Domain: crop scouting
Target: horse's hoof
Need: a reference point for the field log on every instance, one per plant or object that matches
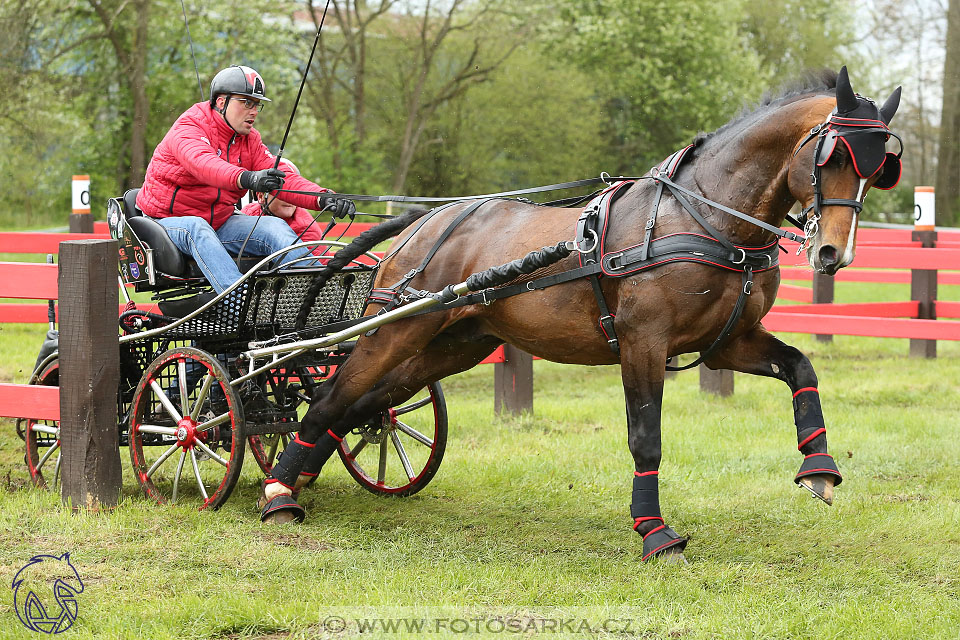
(821, 486)
(282, 509)
(673, 555)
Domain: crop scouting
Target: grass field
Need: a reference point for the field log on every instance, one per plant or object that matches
(528, 520)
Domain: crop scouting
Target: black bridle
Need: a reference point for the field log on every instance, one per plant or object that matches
(834, 129)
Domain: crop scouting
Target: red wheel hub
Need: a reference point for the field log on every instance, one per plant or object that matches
(187, 434)
(391, 416)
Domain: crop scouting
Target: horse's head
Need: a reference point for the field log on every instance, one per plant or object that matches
(835, 165)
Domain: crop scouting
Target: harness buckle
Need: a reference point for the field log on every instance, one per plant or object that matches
(605, 177)
(748, 287)
(613, 260)
(743, 256)
(483, 298)
(593, 247)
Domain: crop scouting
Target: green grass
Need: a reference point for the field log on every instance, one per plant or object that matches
(529, 517)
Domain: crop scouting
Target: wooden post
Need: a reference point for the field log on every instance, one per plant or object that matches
(513, 382)
(823, 293)
(923, 282)
(80, 219)
(89, 374)
(717, 381)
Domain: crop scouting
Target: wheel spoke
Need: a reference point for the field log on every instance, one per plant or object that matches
(165, 401)
(162, 459)
(207, 450)
(196, 473)
(403, 455)
(56, 470)
(176, 478)
(153, 428)
(213, 422)
(413, 406)
(47, 454)
(45, 429)
(202, 395)
(416, 435)
(382, 470)
(357, 449)
(182, 381)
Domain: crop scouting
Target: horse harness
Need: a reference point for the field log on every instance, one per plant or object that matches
(595, 260)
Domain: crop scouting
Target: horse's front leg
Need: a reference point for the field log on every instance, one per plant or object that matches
(760, 353)
(642, 372)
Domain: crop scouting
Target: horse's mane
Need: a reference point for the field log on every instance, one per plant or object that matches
(810, 83)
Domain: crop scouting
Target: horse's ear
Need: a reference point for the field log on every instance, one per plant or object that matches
(890, 106)
(846, 98)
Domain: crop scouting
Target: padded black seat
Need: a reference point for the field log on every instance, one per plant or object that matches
(167, 258)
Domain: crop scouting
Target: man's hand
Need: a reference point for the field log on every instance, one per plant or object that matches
(340, 207)
(264, 181)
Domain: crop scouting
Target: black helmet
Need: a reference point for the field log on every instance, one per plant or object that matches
(237, 80)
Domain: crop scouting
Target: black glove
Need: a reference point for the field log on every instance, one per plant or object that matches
(264, 181)
(341, 207)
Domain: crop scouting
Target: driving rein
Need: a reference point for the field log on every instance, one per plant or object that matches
(595, 261)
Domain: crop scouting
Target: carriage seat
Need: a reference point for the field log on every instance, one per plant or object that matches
(166, 257)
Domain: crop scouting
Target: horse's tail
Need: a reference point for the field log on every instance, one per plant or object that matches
(360, 245)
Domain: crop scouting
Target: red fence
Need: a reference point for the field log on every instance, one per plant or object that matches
(882, 255)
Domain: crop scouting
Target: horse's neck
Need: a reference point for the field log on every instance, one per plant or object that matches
(748, 169)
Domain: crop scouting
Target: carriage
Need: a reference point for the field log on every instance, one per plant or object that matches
(189, 414)
(246, 362)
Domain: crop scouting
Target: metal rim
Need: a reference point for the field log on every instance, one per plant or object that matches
(42, 437)
(188, 450)
(405, 453)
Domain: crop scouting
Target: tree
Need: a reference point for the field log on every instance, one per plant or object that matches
(948, 157)
(662, 71)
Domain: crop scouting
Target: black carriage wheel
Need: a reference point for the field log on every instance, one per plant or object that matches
(188, 451)
(42, 437)
(399, 452)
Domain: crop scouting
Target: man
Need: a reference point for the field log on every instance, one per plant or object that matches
(207, 161)
(299, 219)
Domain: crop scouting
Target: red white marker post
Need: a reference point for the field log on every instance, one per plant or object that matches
(80, 219)
(923, 282)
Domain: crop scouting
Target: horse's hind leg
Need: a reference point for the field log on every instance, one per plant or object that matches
(373, 357)
(760, 353)
(444, 356)
(642, 372)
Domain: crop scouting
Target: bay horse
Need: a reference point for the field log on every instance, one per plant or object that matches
(785, 151)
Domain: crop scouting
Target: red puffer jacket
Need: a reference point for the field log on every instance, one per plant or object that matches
(195, 167)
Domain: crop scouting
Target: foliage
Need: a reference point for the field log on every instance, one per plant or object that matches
(478, 96)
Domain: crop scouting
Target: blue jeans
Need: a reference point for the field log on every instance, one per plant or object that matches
(212, 250)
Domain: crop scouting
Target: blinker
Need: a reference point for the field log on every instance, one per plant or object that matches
(867, 153)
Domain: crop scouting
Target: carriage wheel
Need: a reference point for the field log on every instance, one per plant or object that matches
(267, 448)
(42, 437)
(186, 451)
(399, 452)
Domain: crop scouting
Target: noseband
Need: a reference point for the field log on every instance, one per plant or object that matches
(827, 134)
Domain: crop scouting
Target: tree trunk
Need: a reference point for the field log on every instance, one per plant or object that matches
(138, 87)
(948, 157)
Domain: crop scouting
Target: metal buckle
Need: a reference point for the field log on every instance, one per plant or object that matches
(612, 258)
(593, 248)
(748, 287)
(743, 257)
(483, 298)
(606, 178)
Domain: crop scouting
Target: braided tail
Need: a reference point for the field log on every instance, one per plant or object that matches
(360, 245)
